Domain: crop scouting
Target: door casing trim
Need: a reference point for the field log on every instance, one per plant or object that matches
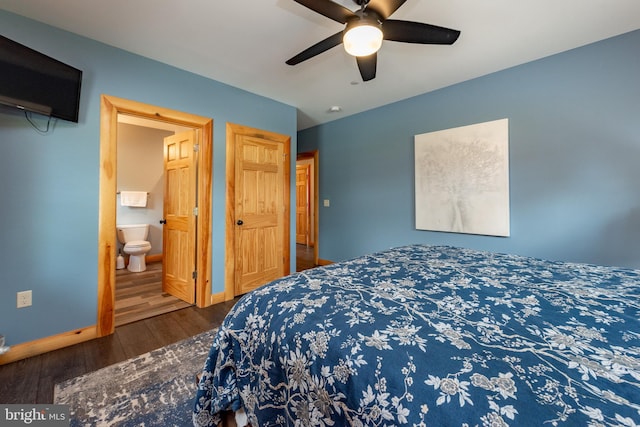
(110, 107)
(232, 131)
(314, 156)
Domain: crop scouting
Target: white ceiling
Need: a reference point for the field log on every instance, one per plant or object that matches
(245, 43)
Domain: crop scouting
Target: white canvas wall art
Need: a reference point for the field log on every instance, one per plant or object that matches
(462, 179)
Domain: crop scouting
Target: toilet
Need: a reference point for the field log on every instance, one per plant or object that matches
(133, 238)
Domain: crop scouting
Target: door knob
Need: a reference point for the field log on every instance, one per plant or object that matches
(163, 221)
(239, 222)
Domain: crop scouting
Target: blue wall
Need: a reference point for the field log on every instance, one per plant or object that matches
(49, 183)
(574, 141)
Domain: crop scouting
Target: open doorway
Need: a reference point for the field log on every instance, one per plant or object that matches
(140, 289)
(306, 210)
(111, 108)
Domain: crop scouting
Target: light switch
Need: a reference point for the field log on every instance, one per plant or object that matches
(326, 203)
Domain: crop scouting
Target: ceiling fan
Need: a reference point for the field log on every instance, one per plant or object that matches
(366, 28)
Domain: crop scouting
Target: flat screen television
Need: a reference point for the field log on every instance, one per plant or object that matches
(32, 81)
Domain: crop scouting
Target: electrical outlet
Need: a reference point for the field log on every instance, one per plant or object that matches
(24, 299)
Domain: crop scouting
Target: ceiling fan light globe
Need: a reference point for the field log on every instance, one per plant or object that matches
(362, 40)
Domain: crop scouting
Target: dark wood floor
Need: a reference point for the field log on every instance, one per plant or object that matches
(32, 380)
(304, 257)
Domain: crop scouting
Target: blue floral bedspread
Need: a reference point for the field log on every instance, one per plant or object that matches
(431, 336)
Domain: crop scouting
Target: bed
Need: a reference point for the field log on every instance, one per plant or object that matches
(431, 336)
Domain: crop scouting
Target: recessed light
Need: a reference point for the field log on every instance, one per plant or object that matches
(335, 109)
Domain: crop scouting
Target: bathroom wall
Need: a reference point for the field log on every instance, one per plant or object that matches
(141, 168)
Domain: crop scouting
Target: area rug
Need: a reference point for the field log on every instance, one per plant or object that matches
(153, 389)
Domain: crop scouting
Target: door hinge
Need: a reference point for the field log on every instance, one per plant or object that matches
(194, 275)
(196, 147)
(195, 211)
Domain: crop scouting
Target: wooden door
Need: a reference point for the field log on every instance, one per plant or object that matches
(302, 204)
(261, 211)
(179, 232)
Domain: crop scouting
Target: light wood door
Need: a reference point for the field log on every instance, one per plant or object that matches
(179, 232)
(260, 211)
(302, 204)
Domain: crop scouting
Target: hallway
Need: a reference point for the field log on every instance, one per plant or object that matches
(304, 257)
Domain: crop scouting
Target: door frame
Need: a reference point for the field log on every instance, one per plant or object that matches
(233, 131)
(308, 202)
(316, 198)
(110, 107)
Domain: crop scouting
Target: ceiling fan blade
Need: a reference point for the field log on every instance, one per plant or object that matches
(385, 8)
(417, 32)
(329, 9)
(367, 66)
(317, 49)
